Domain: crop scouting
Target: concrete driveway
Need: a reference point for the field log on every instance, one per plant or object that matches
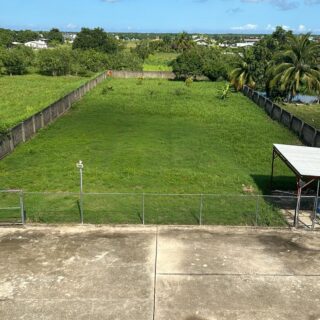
(162, 273)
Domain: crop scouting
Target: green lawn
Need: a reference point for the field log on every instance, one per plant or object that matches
(22, 96)
(156, 137)
(159, 61)
(309, 113)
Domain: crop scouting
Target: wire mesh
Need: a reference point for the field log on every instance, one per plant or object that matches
(147, 208)
(172, 209)
(10, 210)
(52, 207)
(112, 208)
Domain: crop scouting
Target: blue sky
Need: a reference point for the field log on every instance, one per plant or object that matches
(237, 16)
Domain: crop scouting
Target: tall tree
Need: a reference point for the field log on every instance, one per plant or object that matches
(243, 73)
(96, 39)
(295, 69)
(6, 38)
(183, 42)
(25, 36)
(143, 49)
(55, 36)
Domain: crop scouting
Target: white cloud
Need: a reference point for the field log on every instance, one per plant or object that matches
(287, 28)
(248, 26)
(71, 26)
(281, 4)
(301, 28)
(270, 27)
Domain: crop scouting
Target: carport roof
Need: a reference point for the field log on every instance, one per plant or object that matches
(304, 161)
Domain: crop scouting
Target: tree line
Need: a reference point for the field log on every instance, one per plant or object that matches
(282, 65)
(92, 51)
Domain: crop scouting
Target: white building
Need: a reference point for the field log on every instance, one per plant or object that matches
(244, 44)
(37, 44)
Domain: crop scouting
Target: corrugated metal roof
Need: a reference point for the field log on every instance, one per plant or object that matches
(305, 160)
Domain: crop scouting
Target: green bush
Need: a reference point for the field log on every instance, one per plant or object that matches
(15, 61)
(189, 64)
(202, 61)
(55, 62)
(126, 61)
(86, 62)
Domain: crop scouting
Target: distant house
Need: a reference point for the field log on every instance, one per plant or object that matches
(37, 44)
(252, 40)
(69, 37)
(244, 44)
(202, 40)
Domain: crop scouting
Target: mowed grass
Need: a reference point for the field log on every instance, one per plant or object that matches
(156, 137)
(159, 61)
(22, 96)
(308, 113)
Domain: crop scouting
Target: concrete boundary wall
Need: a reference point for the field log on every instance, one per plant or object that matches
(143, 74)
(309, 135)
(25, 130)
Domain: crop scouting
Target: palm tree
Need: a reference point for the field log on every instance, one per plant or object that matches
(295, 69)
(183, 42)
(243, 73)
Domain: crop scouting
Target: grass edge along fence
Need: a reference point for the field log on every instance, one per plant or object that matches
(25, 130)
(309, 135)
(17, 206)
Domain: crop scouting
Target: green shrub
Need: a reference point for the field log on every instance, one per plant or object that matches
(189, 82)
(15, 61)
(125, 61)
(55, 62)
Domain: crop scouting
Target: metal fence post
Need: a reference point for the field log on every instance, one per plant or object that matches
(142, 208)
(316, 200)
(201, 208)
(257, 211)
(80, 167)
(22, 207)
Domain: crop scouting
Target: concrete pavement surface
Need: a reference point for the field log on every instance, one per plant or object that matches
(162, 273)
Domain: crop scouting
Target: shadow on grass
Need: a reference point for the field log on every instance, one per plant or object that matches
(285, 183)
(278, 200)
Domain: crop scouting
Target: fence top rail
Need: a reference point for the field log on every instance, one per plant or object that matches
(159, 194)
(11, 191)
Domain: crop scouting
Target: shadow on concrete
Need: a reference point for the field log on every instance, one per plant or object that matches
(294, 244)
(195, 318)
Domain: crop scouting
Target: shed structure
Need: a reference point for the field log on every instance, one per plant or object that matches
(305, 163)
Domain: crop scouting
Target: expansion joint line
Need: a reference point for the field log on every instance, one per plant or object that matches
(155, 275)
(238, 275)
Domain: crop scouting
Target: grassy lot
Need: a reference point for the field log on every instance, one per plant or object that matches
(309, 113)
(159, 62)
(155, 137)
(22, 96)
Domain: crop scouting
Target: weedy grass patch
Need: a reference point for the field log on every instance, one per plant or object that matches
(22, 96)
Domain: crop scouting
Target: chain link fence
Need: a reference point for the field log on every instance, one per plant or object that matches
(151, 208)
